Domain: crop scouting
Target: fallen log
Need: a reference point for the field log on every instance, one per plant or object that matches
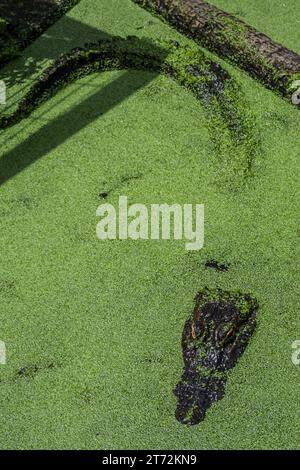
(222, 33)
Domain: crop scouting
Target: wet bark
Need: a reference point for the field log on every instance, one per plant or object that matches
(231, 38)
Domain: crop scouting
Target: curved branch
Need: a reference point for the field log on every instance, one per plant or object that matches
(231, 126)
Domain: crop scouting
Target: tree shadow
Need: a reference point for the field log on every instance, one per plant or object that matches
(66, 34)
(58, 130)
(64, 126)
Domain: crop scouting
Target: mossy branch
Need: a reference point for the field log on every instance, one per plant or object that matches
(231, 125)
(222, 33)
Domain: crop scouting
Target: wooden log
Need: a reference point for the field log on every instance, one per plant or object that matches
(222, 33)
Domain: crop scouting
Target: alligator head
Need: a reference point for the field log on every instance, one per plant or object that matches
(213, 340)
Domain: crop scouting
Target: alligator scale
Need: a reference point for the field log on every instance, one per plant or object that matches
(214, 338)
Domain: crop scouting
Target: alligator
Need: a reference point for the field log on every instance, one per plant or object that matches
(214, 338)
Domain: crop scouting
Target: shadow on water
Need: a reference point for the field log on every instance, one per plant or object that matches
(60, 38)
(64, 126)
